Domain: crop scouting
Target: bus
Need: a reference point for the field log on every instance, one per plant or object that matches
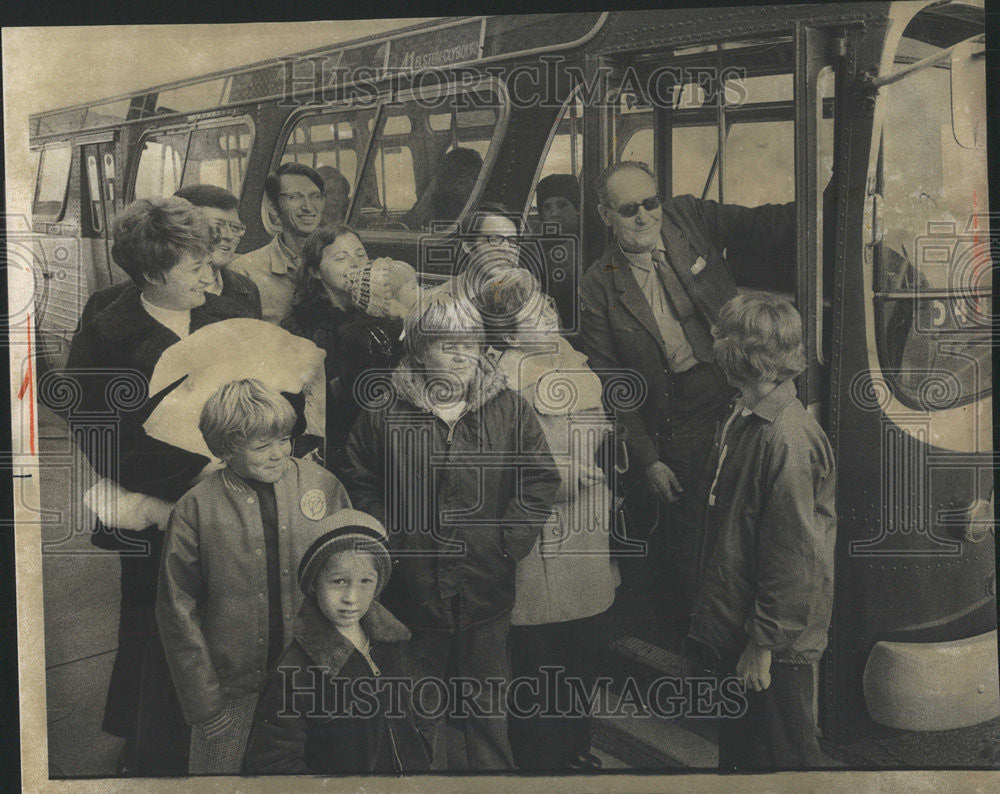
(870, 116)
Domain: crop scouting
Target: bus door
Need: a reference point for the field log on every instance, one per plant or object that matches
(745, 122)
(916, 601)
(98, 207)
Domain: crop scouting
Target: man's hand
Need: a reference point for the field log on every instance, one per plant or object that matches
(663, 481)
(754, 667)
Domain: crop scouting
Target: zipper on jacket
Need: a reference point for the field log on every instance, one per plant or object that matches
(392, 743)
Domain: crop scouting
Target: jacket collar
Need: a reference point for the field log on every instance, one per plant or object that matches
(124, 317)
(283, 259)
(775, 401)
(328, 648)
(410, 384)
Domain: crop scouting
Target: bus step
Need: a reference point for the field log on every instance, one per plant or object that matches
(645, 662)
(644, 741)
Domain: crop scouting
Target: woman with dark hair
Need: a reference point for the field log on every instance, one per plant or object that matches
(351, 308)
(165, 246)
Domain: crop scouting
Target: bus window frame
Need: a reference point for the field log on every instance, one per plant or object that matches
(58, 215)
(223, 121)
(575, 94)
(349, 108)
(952, 426)
(189, 127)
(439, 91)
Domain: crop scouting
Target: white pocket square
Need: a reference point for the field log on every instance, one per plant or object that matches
(698, 266)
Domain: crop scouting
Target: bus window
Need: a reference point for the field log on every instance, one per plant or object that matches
(196, 96)
(565, 154)
(932, 264)
(218, 156)
(425, 160)
(759, 166)
(161, 165)
(555, 257)
(52, 181)
(334, 139)
(694, 151)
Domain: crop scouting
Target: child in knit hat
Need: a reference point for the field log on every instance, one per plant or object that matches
(331, 703)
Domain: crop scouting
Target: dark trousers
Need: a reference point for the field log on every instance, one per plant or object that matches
(701, 399)
(549, 741)
(477, 653)
(136, 626)
(778, 729)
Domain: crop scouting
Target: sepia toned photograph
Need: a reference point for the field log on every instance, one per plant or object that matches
(559, 401)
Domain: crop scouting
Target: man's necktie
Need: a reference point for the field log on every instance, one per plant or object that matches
(697, 335)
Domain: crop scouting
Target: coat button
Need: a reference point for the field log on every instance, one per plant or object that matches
(284, 572)
(260, 596)
(259, 552)
(260, 640)
(288, 618)
(250, 500)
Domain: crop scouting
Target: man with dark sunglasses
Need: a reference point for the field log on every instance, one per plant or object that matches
(648, 305)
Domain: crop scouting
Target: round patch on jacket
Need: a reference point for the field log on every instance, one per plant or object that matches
(313, 504)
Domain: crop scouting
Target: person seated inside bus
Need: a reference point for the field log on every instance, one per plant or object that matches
(296, 193)
(558, 201)
(489, 238)
(765, 594)
(221, 210)
(333, 311)
(338, 195)
(165, 246)
(448, 190)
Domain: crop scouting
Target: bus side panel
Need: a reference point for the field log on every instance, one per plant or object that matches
(904, 572)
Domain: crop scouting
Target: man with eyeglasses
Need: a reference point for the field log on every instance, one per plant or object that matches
(648, 305)
(220, 208)
(296, 193)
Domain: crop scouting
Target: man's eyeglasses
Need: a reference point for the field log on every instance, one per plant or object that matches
(498, 240)
(629, 210)
(299, 198)
(237, 229)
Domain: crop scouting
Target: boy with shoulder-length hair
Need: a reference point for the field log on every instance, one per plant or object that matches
(766, 564)
(227, 595)
(457, 468)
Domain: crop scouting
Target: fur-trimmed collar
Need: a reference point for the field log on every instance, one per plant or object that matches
(328, 648)
(410, 384)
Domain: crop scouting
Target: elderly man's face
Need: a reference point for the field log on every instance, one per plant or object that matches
(640, 232)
